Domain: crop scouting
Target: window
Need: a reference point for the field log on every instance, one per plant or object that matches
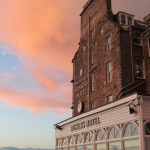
(123, 19)
(148, 40)
(109, 98)
(139, 73)
(81, 72)
(109, 72)
(80, 139)
(71, 141)
(58, 142)
(108, 43)
(92, 82)
(131, 132)
(147, 129)
(114, 133)
(89, 137)
(64, 142)
(129, 20)
(137, 37)
(101, 135)
(92, 105)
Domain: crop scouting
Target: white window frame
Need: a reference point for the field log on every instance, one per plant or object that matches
(108, 41)
(92, 81)
(109, 98)
(108, 72)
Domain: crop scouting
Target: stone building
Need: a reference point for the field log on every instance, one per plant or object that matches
(111, 83)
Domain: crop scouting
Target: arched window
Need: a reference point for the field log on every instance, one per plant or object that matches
(114, 133)
(101, 135)
(147, 128)
(64, 142)
(89, 137)
(58, 142)
(89, 140)
(80, 139)
(101, 139)
(71, 143)
(79, 142)
(131, 129)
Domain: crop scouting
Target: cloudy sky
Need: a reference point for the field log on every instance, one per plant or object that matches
(38, 39)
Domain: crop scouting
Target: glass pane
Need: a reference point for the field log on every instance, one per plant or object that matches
(80, 139)
(89, 147)
(101, 146)
(79, 147)
(147, 128)
(115, 145)
(64, 148)
(131, 130)
(72, 148)
(114, 133)
(101, 136)
(89, 137)
(132, 144)
(147, 144)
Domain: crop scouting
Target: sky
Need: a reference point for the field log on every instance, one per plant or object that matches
(38, 39)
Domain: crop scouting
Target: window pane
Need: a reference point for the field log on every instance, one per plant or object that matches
(80, 139)
(139, 68)
(64, 148)
(132, 144)
(115, 145)
(131, 130)
(101, 136)
(101, 146)
(123, 19)
(108, 43)
(114, 133)
(89, 137)
(89, 147)
(147, 128)
(79, 147)
(72, 148)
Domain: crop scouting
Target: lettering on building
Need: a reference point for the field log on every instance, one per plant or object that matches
(87, 123)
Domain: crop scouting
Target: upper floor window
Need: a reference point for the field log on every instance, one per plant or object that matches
(137, 37)
(123, 19)
(148, 40)
(92, 106)
(139, 72)
(92, 82)
(129, 19)
(108, 43)
(109, 98)
(81, 72)
(109, 72)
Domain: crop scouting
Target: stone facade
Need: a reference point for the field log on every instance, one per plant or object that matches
(113, 58)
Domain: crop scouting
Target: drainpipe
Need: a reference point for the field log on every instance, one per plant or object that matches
(131, 64)
(89, 64)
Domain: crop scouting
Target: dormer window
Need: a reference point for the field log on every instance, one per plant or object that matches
(125, 19)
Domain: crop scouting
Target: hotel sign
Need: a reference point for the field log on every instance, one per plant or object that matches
(87, 123)
(81, 87)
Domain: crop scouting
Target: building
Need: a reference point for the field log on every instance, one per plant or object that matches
(111, 83)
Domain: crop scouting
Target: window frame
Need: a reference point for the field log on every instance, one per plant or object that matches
(140, 69)
(135, 37)
(108, 98)
(108, 43)
(109, 72)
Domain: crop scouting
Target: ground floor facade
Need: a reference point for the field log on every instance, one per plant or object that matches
(122, 125)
